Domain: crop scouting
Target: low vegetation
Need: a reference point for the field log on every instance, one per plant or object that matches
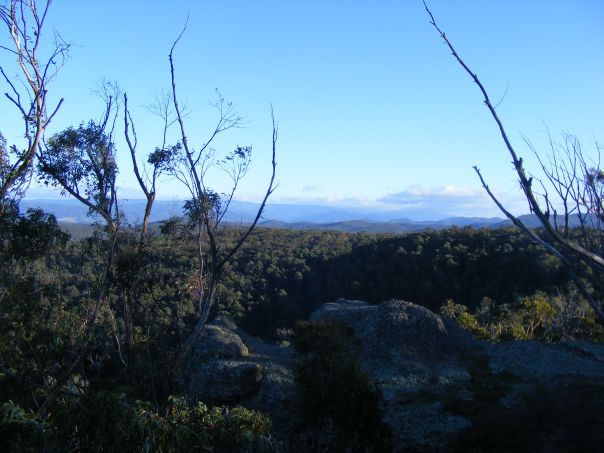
(109, 421)
(540, 316)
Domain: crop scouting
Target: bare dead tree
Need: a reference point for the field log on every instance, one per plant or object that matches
(161, 159)
(206, 208)
(578, 187)
(158, 162)
(24, 21)
(577, 183)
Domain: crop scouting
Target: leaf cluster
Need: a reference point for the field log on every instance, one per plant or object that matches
(82, 162)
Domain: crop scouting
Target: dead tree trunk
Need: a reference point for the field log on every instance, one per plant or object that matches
(572, 254)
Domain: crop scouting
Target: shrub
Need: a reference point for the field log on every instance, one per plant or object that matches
(110, 422)
(21, 431)
(540, 316)
(466, 320)
(335, 399)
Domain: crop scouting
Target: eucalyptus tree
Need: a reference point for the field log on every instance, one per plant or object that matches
(81, 161)
(206, 208)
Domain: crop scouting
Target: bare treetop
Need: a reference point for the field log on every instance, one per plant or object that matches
(24, 21)
(579, 187)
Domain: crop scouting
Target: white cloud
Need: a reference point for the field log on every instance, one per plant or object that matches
(324, 200)
(442, 201)
(417, 194)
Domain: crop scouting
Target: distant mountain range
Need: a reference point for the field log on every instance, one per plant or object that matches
(392, 226)
(71, 211)
(291, 216)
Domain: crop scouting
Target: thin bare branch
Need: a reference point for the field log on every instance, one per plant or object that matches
(525, 182)
(570, 253)
(129, 125)
(568, 265)
(270, 189)
(24, 21)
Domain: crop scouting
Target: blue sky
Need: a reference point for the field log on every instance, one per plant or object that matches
(372, 109)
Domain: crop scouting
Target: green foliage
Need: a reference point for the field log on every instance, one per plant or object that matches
(170, 227)
(82, 162)
(11, 179)
(38, 327)
(537, 315)
(4, 160)
(163, 159)
(208, 203)
(335, 399)
(28, 237)
(543, 317)
(21, 431)
(108, 421)
(465, 319)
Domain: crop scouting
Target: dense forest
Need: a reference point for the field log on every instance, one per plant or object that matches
(496, 282)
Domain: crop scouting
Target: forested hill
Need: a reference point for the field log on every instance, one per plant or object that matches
(283, 275)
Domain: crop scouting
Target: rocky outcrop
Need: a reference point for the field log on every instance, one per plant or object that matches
(406, 350)
(225, 381)
(393, 333)
(533, 360)
(438, 382)
(229, 366)
(217, 341)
